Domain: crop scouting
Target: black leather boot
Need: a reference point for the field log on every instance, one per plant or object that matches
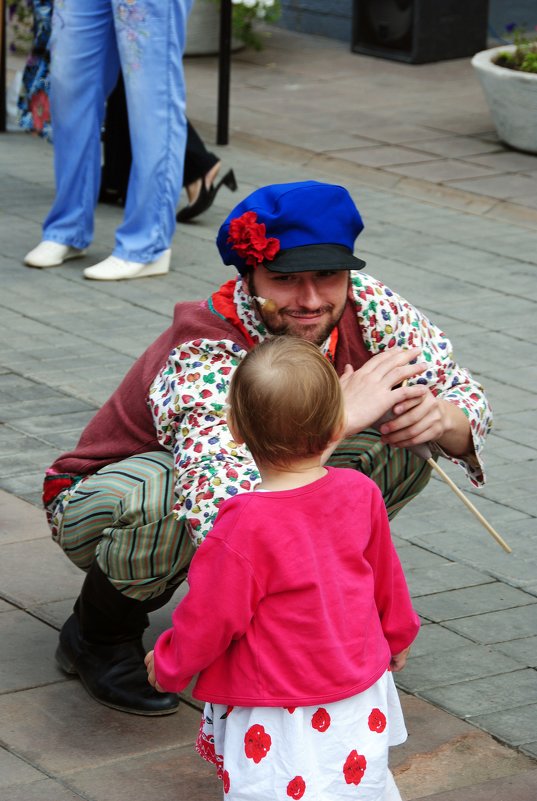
(102, 643)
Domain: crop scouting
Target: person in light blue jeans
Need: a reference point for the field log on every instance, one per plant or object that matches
(91, 40)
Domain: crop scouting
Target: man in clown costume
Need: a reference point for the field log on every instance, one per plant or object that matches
(140, 491)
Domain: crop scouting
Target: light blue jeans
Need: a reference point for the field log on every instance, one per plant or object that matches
(90, 40)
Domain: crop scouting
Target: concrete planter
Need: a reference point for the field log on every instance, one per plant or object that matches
(203, 34)
(512, 99)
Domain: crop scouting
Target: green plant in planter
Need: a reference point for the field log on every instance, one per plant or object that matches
(245, 15)
(524, 57)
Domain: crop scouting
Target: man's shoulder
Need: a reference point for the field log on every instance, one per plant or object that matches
(197, 320)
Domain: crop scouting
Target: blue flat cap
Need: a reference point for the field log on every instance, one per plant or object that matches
(292, 228)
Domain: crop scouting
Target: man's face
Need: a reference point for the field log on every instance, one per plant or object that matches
(308, 305)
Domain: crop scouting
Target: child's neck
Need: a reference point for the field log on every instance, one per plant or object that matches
(296, 474)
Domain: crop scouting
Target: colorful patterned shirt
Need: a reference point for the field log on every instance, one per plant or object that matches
(188, 398)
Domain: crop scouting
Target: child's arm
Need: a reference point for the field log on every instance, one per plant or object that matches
(400, 623)
(222, 598)
(150, 665)
(398, 660)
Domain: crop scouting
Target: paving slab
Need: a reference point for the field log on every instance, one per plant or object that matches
(456, 146)
(41, 726)
(497, 627)
(169, 775)
(513, 726)
(26, 568)
(434, 639)
(486, 695)
(472, 600)
(14, 770)
(459, 664)
(439, 579)
(414, 558)
(44, 790)
(20, 521)
(29, 660)
(456, 171)
(523, 650)
(522, 787)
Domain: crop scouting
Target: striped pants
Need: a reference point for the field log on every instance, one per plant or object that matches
(121, 515)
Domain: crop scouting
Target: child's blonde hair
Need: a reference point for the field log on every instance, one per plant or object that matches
(285, 401)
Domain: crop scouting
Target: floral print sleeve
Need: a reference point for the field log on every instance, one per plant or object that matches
(187, 400)
(388, 320)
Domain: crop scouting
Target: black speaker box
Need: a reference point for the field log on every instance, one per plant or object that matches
(419, 31)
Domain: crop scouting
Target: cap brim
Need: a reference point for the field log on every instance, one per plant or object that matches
(314, 257)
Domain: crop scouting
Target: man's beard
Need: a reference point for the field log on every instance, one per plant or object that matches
(316, 333)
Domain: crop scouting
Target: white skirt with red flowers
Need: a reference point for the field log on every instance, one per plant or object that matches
(329, 752)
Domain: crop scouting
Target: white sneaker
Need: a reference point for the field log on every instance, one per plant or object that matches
(115, 269)
(51, 254)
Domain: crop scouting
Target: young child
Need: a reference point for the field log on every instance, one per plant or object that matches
(297, 605)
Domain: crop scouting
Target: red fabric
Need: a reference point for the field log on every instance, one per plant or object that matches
(54, 484)
(312, 600)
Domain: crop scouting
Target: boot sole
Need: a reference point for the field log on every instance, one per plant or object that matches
(64, 662)
(70, 257)
(67, 665)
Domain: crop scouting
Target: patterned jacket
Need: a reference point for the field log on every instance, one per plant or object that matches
(174, 396)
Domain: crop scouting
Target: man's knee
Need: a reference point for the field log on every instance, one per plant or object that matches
(399, 473)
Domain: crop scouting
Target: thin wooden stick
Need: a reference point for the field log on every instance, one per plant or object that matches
(470, 505)
(464, 499)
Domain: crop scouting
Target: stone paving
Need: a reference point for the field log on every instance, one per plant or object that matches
(300, 109)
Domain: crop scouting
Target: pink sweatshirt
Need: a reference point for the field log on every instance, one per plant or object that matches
(296, 598)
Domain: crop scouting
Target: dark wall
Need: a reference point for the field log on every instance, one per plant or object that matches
(333, 18)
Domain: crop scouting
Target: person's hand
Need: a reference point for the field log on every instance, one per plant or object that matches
(377, 387)
(149, 662)
(398, 661)
(415, 420)
(428, 419)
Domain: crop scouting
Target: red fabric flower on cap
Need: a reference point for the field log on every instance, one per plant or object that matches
(248, 238)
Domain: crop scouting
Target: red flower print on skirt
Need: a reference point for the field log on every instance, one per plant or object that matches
(205, 745)
(257, 743)
(320, 720)
(296, 787)
(290, 709)
(377, 721)
(225, 779)
(354, 767)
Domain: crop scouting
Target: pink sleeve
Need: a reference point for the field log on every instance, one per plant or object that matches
(222, 598)
(400, 623)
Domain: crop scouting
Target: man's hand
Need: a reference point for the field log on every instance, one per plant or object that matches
(428, 419)
(150, 665)
(398, 661)
(369, 392)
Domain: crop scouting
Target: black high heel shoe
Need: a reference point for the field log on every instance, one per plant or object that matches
(206, 197)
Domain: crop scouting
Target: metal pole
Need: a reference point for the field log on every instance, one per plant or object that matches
(2, 66)
(224, 73)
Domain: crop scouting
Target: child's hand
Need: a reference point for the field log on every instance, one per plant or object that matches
(398, 661)
(150, 665)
